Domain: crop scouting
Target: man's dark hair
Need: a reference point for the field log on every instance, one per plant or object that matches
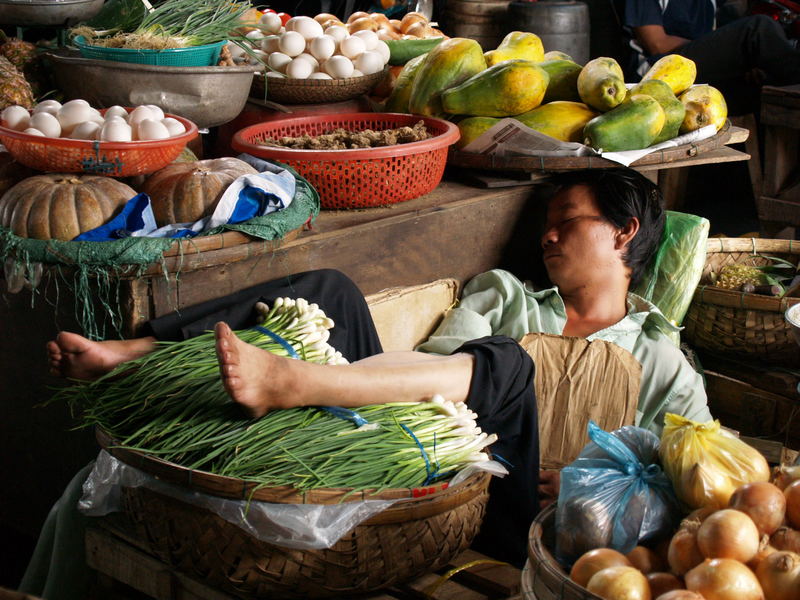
(622, 194)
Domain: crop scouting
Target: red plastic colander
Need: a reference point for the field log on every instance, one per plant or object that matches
(362, 178)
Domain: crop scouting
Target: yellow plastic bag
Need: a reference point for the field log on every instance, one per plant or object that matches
(707, 463)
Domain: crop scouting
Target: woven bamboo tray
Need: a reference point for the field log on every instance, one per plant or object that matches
(421, 532)
(313, 91)
(736, 324)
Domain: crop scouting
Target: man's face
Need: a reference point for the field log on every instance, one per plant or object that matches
(578, 242)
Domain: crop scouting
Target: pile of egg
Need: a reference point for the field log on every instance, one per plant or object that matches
(76, 119)
(303, 50)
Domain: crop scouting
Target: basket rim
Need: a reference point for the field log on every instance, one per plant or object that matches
(81, 42)
(449, 136)
(188, 135)
(209, 483)
(287, 83)
(723, 245)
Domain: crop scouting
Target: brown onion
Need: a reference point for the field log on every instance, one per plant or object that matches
(683, 553)
(785, 475)
(699, 514)
(762, 502)
(728, 533)
(724, 579)
(619, 583)
(645, 560)
(779, 576)
(792, 494)
(680, 595)
(661, 583)
(596, 560)
(764, 550)
(359, 14)
(787, 539)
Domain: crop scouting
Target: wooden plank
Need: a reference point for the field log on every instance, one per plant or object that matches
(780, 158)
(774, 380)
(778, 211)
(739, 134)
(494, 579)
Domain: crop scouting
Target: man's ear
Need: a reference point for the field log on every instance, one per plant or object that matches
(627, 233)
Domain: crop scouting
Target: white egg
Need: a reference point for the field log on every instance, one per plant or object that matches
(88, 130)
(323, 47)
(150, 129)
(117, 111)
(16, 117)
(337, 32)
(272, 22)
(339, 67)
(255, 36)
(291, 24)
(382, 48)
(174, 126)
(274, 74)
(369, 62)
(299, 68)
(308, 28)
(292, 43)
(156, 111)
(270, 43)
(236, 51)
(99, 119)
(319, 75)
(139, 114)
(116, 130)
(50, 106)
(278, 61)
(314, 62)
(32, 131)
(370, 38)
(46, 123)
(71, 114)
(78, 101)
(352, 46)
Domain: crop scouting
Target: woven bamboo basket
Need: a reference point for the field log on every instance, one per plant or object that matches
(313, 91)
(421, 532)
(737, 324)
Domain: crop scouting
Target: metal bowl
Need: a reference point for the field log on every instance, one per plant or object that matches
(33, 13)
(793, 318)
(208, 96)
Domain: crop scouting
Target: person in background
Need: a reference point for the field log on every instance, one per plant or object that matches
(736, 58)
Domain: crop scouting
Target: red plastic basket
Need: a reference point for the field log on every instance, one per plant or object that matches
(115, 159)
(362, 178)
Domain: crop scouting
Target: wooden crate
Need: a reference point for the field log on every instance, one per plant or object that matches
(126, 571)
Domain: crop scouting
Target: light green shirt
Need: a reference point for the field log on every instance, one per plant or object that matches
(497, 303)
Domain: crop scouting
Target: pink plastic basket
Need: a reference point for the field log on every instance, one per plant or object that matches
(362, 178)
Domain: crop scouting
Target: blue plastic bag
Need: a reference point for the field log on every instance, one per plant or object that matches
(614, 495)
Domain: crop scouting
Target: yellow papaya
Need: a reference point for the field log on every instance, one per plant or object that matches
(445, 66)
(517, 44)
(601, 84)
(563, 80)
(504, 90)
(674, 110)
(557, 55)
(562, 120)
(705, 105)
(632, 125)
(676, 70)
(472, 128)
(401, 92)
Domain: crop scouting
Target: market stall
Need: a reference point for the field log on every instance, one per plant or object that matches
(437, 144)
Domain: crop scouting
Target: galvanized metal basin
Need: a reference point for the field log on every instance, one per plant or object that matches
(47, 12)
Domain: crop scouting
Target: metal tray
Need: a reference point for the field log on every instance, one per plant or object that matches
(208, 96)
(47, 12)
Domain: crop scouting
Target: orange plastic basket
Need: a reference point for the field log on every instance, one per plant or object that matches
(362, 178)
(115, 159)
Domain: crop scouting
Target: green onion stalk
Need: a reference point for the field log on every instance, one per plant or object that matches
(171, 404)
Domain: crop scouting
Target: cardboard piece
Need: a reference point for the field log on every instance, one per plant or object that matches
(577, 380)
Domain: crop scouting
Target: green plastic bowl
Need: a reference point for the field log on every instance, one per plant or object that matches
(193, 56)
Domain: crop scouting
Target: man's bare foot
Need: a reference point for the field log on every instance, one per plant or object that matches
(74, 356)
(256, 379)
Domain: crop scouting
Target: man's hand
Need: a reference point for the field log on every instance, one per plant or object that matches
(654, 40)
(549, 484)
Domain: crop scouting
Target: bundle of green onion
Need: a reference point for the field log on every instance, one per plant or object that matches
(171, 404)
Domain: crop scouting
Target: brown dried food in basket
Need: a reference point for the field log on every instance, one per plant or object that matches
(343, 139)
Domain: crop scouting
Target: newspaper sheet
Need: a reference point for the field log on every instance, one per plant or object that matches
(509, 137)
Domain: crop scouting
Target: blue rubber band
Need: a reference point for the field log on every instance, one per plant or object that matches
(346, 414)
(431, 474)
(286, 345)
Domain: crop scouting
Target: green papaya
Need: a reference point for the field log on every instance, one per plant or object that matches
(556, 55)
(601, 84)
(448, 64)
(401, 92)
(674, 110)
(504, 90)
(472, 127)
(563, 80)
(561, 119)
(632, 125)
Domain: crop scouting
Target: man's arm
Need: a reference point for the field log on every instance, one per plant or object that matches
(654, 40)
